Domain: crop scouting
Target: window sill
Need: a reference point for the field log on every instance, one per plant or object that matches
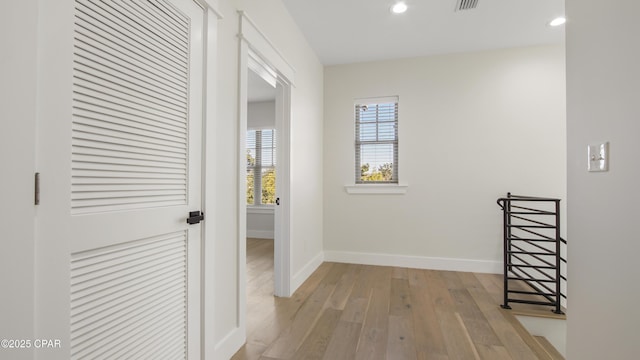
(264, 209)
(366, 189)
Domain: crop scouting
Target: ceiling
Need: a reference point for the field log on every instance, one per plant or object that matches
(349, 31)
(258, 89)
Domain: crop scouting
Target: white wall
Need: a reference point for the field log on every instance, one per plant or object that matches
(603, 104)
(261, 115)
(272, 18)
(18, 32)
(260, 223)
(471, 127)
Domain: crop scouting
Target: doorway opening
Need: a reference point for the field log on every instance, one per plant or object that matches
(262, 169)
(258, 57)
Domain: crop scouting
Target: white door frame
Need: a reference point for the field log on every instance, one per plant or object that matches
(256, 47)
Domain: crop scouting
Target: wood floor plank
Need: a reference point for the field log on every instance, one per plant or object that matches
(288, 342)
(474, 320)
(503, 329)
(456, 339)
(344, 287)
(428, 333)
(401, 339)
(493, 352)
(553, 353)
(372, 343)
(249, 352)
(440, 296)
(315, 345)
(400, 273)
(344, 342)
(400, 298)
(417, 279)
(538, 351)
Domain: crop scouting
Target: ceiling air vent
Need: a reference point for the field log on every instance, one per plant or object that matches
(466, 4)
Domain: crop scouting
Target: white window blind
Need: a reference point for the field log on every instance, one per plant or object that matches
(376, 141)
(261, 165)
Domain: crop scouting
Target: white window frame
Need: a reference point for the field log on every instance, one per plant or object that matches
(371, 187)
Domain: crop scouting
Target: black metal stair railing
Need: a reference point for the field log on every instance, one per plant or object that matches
(533, 249)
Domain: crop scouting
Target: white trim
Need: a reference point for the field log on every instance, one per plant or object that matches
(377, 100)
(264, 48)
(388, 189)
(416, 262)
(229, 345)
(282, 215)
(261, 69)
(209, 189)
(260, 234)
(306, 271)
(213, 6)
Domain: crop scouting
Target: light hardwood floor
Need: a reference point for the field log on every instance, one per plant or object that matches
(346, 311)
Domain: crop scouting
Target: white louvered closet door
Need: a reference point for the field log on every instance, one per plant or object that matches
(135, 150)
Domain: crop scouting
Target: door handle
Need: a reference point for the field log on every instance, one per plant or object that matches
(195, 217)
(277, 201)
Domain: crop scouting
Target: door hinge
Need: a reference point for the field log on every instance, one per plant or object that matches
(36, 197)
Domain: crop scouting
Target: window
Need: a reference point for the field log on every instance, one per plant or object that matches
(377, 141)
(261, 164)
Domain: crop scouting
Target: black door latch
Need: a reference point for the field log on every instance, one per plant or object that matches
(195, 217)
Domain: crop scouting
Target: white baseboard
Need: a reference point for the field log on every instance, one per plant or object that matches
(260, 234)
(229, 345)
(416, 262)
(306, 271)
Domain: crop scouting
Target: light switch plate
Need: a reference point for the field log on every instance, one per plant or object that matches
(598, 157)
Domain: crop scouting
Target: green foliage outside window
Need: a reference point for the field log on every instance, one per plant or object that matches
(384, 172)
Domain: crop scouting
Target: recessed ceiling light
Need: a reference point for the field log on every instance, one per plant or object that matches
(558, 21)
(399, 8)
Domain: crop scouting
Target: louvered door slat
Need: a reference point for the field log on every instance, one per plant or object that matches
(97, 101)
(89, 139)
(140, 31)
(108, 67)
(129, 95)
(124, 182)
(118, 127)
(137, 317)
(148, 20)
(174, 26)
(135, 36)
(135, 74)
(126, 161)
(137, 121)
(100, 304)
(85, 127)
(92, 39)
(149, 347)
(117, 204)
(125, 296)
(107, 153)
(127, 187)
(101, 176)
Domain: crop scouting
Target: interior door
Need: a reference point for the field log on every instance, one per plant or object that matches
(121, 153)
